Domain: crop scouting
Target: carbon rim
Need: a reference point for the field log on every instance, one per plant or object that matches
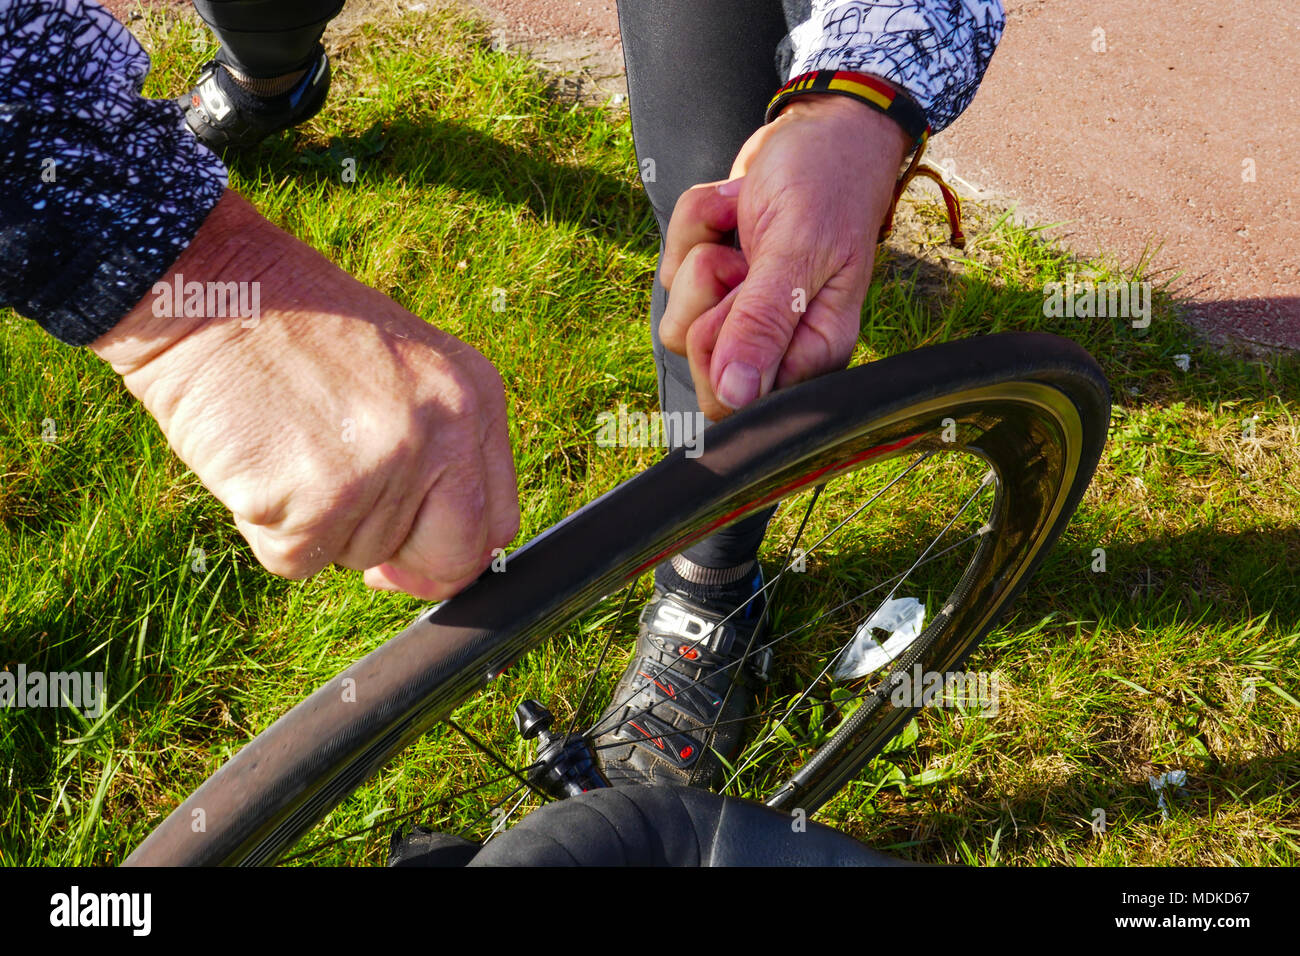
(1028, 431)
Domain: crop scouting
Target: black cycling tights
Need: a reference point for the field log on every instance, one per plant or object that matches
(700, 73)
(267, 38)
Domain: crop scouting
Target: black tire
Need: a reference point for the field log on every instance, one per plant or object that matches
(1035, 407)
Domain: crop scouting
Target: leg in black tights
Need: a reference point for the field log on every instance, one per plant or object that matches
(267, 38)
(700, 73)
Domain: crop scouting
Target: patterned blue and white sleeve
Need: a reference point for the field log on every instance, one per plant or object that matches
(936, 50)
(100, 189)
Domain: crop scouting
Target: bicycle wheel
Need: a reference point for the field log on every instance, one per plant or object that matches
(1014, 422)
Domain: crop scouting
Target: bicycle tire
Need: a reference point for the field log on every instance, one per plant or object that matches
(1034, 406)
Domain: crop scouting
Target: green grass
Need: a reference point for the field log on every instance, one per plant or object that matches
(470, 179)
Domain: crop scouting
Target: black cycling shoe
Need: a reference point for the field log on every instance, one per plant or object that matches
(224, 116)
(686, 659)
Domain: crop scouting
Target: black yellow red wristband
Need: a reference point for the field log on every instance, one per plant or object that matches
(867, 89)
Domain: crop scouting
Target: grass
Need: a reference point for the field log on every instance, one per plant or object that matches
(514, 221)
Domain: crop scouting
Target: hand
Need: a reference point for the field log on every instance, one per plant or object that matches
(808, 193)
(337, 428)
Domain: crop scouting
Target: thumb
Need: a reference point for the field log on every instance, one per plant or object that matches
(756, 333)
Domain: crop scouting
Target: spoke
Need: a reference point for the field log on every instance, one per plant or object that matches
(488, 812)
(762, 715)
(802, 702)
(609, 639)
(788, 634)
(869, 692)
(874, 588)
(508, 814)
(767, 608)
(387, 821)
(500, 762)
(592, 731)
(892, 591)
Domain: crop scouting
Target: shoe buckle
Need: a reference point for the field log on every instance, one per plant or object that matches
(759, 664)
(213, 100)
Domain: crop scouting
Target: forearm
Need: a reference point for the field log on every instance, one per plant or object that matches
(235, 244)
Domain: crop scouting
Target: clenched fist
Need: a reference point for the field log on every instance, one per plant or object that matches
(336, 426)
(807, 196)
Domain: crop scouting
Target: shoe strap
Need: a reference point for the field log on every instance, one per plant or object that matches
(660, 739)
(209, 99)
(681, 634)
(679, 623)
(666, 687)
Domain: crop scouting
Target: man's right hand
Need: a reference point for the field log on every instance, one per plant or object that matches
(338, 428)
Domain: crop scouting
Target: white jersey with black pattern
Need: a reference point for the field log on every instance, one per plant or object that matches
(936, 50)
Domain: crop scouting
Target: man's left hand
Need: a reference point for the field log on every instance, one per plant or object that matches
(808, 193)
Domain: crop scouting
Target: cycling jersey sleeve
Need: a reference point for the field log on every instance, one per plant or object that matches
(936, 50)
(100, 188)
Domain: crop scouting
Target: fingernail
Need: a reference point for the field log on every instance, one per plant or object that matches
(738, 385)
(731, 187)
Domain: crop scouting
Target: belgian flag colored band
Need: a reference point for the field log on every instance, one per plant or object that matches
(868, 89)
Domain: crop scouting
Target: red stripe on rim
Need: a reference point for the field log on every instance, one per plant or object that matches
(772, 496)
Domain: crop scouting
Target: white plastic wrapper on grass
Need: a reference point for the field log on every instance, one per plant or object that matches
(902, 619)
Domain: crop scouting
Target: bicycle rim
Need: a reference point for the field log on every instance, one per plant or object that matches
(1033, 407)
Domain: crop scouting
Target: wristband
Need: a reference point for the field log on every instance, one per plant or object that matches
(866, 89)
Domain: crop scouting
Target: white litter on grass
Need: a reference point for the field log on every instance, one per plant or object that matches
(1171, 780)
(902, 618)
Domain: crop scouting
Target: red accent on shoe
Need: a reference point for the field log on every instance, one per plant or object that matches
(666, 688)
(657, 741)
